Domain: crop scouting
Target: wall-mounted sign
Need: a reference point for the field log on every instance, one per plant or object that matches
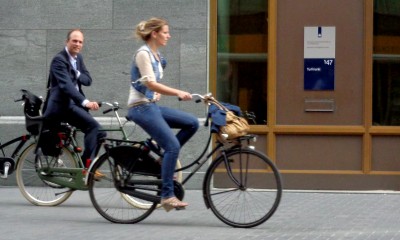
(319, 58)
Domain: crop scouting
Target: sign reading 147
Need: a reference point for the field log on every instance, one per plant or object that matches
(319, 58)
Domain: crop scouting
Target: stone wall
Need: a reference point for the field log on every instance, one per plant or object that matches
(33, 31)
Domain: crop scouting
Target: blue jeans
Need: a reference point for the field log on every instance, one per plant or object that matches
(158, 122)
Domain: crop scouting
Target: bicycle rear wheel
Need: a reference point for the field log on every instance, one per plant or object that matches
(243, 191)
(109, 202)
(37, 191)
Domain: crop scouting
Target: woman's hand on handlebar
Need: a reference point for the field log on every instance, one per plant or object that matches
(185, 96)
(199, 97)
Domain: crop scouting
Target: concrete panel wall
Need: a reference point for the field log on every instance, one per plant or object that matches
(33, 31)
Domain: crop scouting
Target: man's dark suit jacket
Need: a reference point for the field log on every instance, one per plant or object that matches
(62, 77)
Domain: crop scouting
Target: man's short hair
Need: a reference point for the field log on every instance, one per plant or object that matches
(71, 31)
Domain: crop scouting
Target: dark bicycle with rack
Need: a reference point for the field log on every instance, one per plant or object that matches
(8, 162)
(242, 186)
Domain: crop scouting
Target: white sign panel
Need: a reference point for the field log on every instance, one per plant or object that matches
(319, 58)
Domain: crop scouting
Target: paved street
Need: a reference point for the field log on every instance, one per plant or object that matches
(301, 215)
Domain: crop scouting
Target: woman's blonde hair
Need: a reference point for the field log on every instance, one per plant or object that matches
(145, 28)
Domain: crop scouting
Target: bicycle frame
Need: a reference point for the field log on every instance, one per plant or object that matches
(48, 176)
(202, 159)
(120, 128)
(67, 177)
(21, 139)
(76, 178)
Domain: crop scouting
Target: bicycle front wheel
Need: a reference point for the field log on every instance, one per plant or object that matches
(109, 202)
(37, 191)
(243, 189)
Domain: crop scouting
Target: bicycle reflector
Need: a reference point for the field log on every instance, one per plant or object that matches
(78, 149)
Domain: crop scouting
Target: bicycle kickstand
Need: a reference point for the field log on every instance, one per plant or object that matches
(7, 166)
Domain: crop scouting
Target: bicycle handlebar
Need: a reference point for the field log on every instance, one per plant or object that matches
(200, 97)
(114, 106)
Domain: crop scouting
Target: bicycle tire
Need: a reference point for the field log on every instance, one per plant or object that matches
(32, 187)
(139, 203)
(253, 198)
(108, 201)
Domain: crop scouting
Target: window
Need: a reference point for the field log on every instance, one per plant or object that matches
(242, 55)
(386, 63)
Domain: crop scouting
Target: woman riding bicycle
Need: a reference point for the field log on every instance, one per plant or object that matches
(158, 121)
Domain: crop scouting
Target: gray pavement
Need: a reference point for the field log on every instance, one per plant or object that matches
(301, 215)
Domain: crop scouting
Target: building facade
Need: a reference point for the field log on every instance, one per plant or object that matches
(320, 77)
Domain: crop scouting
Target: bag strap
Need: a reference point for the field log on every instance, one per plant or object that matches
(48, 87)
(218, 104)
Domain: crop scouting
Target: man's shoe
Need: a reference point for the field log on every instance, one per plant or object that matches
(98, 175)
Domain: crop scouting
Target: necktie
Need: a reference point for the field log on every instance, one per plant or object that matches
(76, 72)
(74, 65)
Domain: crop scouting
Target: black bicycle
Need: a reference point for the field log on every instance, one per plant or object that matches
(242, 186)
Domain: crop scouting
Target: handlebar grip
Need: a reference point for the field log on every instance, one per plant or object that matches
(196, 101)
(100, 104)
(107, 111)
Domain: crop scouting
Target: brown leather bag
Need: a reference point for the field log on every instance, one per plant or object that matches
(235, 126)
